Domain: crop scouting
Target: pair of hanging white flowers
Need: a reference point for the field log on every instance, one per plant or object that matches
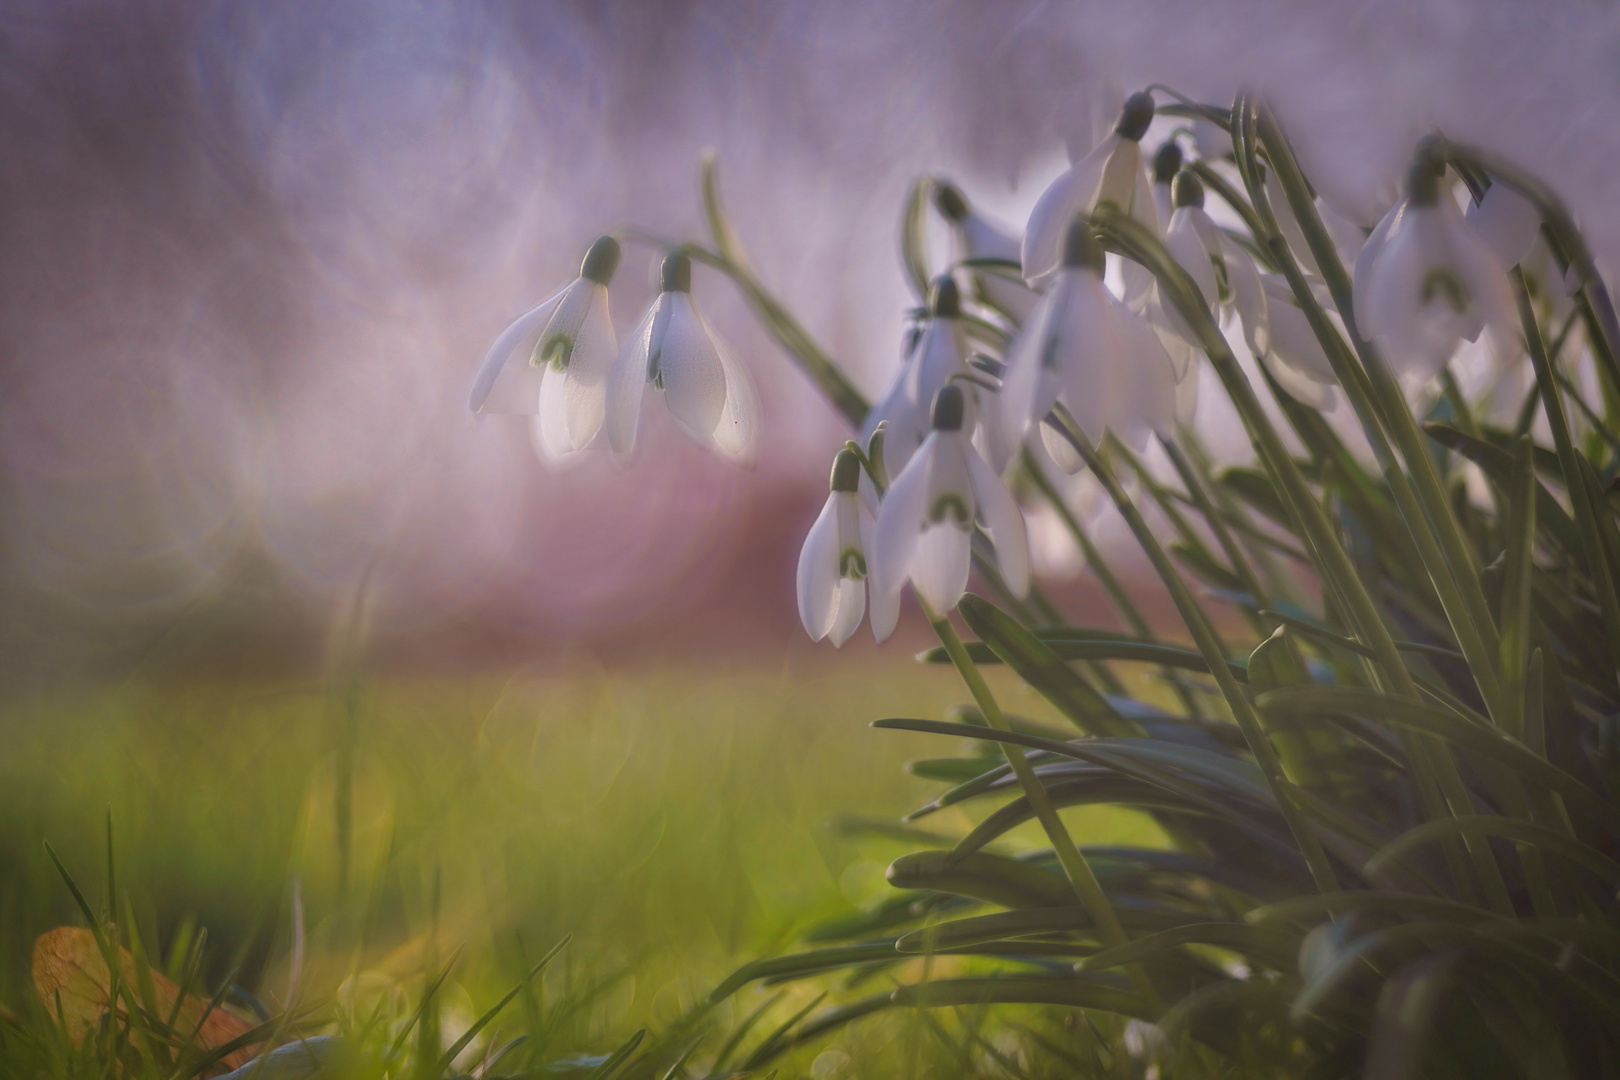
(923, 532)
(576, 381)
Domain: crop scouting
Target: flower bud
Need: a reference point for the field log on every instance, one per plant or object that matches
(1080, 247)
(676, 274)
(948, 407)
(946, 300)
(1135, 117)
(601, 261)
(1188, 190)
(846, 471)
(953, 207)
(1167, 162)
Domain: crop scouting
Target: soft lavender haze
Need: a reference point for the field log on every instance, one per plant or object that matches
(251, 254)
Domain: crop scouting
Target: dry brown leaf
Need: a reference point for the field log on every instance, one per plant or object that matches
(67, 962)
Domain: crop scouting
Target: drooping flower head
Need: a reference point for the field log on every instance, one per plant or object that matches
(1086, 348)
(938, 354)
(832, 565)
(1112, 172)
(1222, 270)
(674, 351)
(1166, 165)
(977, 237)
(1426, 281)
(926, 521)
(554, 360)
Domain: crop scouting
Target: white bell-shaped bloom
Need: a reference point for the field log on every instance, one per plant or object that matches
(1426, 281)
(977, 237)
(832, 566)
(925, 523)
(938, 355)
(1084, 346)
(1166, 165)
(1222, 270)
(553, 362)
(1296, 358)
(674, 351)
(1112, 172)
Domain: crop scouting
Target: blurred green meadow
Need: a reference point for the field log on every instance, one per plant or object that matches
(676, 820)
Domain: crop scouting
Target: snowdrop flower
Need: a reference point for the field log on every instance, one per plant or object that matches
(1296, 358)
(832, 566)
(674, 351)
(979, 238)
(1085, 346)
(1166, 164)
(1222, 270)
(1425, 281)
(938, 355)
(562, 377)
(1112, 172)
(925, 524)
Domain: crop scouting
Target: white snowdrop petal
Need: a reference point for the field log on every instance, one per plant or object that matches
(1152, 398)
(505, 382)
(980, 239)
(1506, 221)
(1005, 523)
(1142, 207)
(1062, 452)
(1075, 190)
(1304, 390)
(693, 375)
(1485, 275)
(851, 606)
(818, 573)
(948, 476)
(628, 378)
(899, 519)
(551, 425)
(939, 356)
(1372, 251)
(738, 431)
(1247, 296)
(1295, 345)
(939, 569)
(1025, 377)
(885, 606)
(594, 350)
(1347, 236)
(1181, 239)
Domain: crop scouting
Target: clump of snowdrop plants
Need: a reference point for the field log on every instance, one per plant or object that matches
(1384, 741)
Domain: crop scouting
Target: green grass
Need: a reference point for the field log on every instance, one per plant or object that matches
(677, 822)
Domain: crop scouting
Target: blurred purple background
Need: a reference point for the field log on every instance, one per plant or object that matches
(250, 256)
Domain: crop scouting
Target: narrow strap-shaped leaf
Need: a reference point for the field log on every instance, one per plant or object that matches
(1069, 648)
(1031, 922)
(805, 963)
(1523, 832)
(1474, 738)
(1310, 909)
(1076, 991)
(1497, 464)
(981, 876)
(1275, 949)
(1037, 665)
